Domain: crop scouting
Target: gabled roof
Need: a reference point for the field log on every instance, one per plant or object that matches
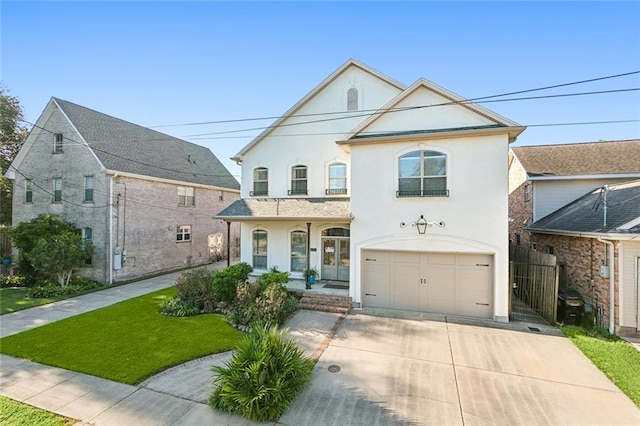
(497, 120)
(330, 209)
(350, 63)
(125, 147)
(586, 214)
(581, 159)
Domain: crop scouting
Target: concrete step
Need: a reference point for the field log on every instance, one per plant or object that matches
(326, 303)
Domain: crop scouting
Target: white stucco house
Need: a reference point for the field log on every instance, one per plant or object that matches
(400, 191)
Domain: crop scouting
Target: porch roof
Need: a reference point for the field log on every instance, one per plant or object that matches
(251, 209)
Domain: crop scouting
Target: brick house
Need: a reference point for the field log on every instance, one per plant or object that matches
(544, 178)
(596, 240)
(144, 198)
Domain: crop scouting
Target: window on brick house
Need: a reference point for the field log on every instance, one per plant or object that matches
(28, 191)
(88, 189)
(57, 190)
(186, 196)
(549, 249)
(183, 233)
(58, 140)
(527, 192)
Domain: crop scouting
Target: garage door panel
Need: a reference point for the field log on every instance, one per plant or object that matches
(474, 259)
(440, 290)
(474, 291)
(376, 285)
(405, 288)
(439, 259)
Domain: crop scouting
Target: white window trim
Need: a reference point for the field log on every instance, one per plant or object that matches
(422, 147)
(28, 188)
(93, 187)
(328, 178)
(58, 147)
(253, 182)
(185, 232)
(53, 194)
(186, 196)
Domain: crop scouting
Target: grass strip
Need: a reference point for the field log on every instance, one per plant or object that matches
(13, 413)
(126, 342)
(616, 358)
(14, 299)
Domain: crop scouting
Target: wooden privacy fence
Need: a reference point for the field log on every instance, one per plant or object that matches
(534, 281)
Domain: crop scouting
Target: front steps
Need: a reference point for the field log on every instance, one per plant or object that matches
(326, 303)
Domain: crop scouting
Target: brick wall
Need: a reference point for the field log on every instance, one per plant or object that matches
(520, 209)
(581, 259)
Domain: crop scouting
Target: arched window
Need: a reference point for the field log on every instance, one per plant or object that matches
(337, 179)
(298, 251)
(259, 249)
(260, 181)
(352, 99)
(422, 174)
(298, 180)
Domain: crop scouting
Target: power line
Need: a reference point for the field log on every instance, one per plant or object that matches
(106, 192)
(383, 111)
(277, 117)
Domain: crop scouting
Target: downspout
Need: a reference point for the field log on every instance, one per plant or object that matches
(612, 275)
(110, 261)
(110, 254)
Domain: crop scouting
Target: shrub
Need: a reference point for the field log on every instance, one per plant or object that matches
(195, 288)
(264, 375)
(12, 281)
(226, 280)
(253, 303)
(53, 289)
(177, 307)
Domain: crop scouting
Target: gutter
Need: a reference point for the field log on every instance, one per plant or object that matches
(612, 275)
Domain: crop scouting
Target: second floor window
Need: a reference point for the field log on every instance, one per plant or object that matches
(337, 179)
(28, 191)
(57, 190)
(88, 189)
(57, 143)
(422, 174)
(260, 181)
(186, 196)
(298, 180)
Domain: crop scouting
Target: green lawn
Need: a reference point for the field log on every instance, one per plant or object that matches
(617, 359)
(15, 299)
(13, 413)
(126, 342)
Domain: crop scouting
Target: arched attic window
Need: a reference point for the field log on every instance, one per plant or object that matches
(352, 99)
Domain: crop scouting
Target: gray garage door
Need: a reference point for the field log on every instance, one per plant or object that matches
(447, 283)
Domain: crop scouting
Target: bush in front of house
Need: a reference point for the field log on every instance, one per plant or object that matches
(225, 281)
(203, 291)
(266, 372)
(266, 301)
(13, 281)
(48, 289)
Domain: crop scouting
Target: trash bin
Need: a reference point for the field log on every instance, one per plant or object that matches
(570, 307)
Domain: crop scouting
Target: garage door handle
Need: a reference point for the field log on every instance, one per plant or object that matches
(482, 304)
(370, 294)
(482, 264)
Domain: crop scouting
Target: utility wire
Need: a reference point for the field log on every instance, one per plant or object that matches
(383, 111)
(277, 117)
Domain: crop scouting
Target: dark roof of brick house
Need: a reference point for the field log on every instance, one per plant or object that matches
(288, 208)
(126, 147)
(591, 158)
(586, 214)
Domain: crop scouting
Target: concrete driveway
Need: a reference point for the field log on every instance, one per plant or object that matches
(449, 371)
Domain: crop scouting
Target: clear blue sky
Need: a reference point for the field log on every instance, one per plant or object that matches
(157, 63)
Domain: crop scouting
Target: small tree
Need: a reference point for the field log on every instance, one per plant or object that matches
(50, 247)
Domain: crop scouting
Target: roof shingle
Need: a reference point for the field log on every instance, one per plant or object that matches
(288, 208)
(586, 214)
(592, 158)
(130, 148)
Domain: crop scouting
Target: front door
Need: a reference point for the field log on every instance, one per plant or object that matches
(335, 259)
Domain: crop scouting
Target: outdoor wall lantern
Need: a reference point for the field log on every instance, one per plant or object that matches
(422, 224)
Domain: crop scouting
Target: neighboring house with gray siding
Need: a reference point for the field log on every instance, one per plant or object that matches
(544, 178)
(145, 199)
